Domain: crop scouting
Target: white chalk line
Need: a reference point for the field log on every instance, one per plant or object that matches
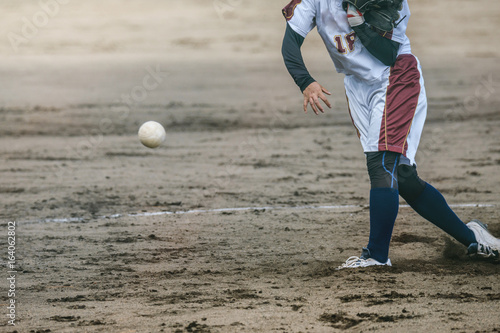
(236, 209)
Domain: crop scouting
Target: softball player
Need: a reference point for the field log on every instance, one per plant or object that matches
(388, 106)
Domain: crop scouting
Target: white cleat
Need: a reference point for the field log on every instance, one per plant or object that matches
(363, 261)
(486, 246)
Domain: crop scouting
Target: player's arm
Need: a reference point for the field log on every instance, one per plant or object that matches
(382, 48)
(292, 42)
(292, 56)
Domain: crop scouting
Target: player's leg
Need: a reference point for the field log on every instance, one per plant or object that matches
(384, 206)
(397, 114)
(366, 102)
(406, 80)
(384, 202)
(431, 205)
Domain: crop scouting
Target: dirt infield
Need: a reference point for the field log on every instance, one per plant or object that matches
(238, 222)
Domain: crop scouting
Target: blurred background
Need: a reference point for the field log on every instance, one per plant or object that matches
(59, 52)
(78, 78)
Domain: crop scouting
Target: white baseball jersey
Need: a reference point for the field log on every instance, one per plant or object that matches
(346, 50)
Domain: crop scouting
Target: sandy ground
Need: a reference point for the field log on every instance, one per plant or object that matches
(97, 249)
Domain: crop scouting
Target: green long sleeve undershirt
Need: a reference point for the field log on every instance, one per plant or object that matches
(292, 56)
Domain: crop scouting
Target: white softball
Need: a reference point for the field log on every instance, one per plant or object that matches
(152, 134)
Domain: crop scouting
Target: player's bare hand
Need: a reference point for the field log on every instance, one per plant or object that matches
(313, 94)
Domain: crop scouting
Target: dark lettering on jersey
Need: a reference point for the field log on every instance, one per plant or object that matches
(350, 38)
(290, 8)
(339, 44)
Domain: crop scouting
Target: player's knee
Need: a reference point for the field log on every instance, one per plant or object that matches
(382, 170)
(410, 184)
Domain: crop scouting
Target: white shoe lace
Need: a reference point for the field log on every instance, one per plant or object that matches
(485, 250)
(352, 262)
(356, 262)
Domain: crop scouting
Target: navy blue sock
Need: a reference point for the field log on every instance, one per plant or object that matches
(384, 206)
(432, 206)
